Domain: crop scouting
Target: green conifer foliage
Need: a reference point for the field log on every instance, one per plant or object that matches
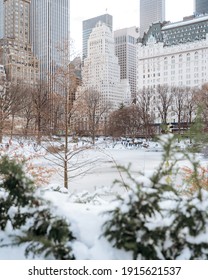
(153, 221)
(189, 228)
(17, 193)
(44, 234)
(48, 236)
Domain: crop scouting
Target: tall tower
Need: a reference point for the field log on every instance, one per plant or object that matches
(151, 11)
(101, 70)
(50, 33)
(15, 48)
(125, 50)
(1, 18)
(87, 27)
(16, 20)
(201, 6)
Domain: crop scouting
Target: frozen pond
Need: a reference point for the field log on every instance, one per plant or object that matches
(105, 172)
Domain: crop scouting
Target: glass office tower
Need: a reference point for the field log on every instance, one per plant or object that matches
(151, 11)
(1, 19)
(201, 6)
(50, 33)
(126, 49)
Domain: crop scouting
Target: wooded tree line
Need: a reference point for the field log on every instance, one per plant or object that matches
(39, 111)
(156, 108)
(24, 110)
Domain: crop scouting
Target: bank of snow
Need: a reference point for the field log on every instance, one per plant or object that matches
(84, 206)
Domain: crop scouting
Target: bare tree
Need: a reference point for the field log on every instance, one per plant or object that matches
(126, 122)
(17, 92)
(164, 102)
(4, 109)
(11, 97)
(179, 104)
(27, 111)
(58, 113)
(144, 107)
(201, 98)
(62, 95)
(190, 104)
(93, 109)
(75, 161)
(40, 108)
(68, 84)
(117, 122)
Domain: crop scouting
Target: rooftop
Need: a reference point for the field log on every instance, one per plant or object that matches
(185, 22)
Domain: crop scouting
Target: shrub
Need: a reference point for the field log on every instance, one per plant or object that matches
(48, 236)
(43, 233)
(153, 221)
(40, 175)
(16, 193)
(187, 236)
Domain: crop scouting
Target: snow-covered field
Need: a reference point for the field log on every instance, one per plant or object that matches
(89, 196)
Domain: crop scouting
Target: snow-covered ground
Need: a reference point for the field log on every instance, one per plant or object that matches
(89, 196)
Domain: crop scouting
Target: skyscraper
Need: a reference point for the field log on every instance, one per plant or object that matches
(87, 27)
(125, 50)
(50, 33)
(101, 70)
(1, 19)
(15, 47)
(151, 11)
(201, 6)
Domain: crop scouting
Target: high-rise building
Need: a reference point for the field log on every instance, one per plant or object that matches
(50, 33)
(201, 6)
(101, 70)
(101, 74)
(2, 75)
(151, 11)
(15, 47)
(125, 50)
(2, 80)
(173, 55)
(87, 27)
(1, 19)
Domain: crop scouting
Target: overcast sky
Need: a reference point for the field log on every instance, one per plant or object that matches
(125, 14)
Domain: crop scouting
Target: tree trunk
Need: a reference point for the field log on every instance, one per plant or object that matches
(1, 134)
(65, 173)
(39, 130)
(26, 127)
(12, 127)
(1, 130)
(66, 183)
(93, 137)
